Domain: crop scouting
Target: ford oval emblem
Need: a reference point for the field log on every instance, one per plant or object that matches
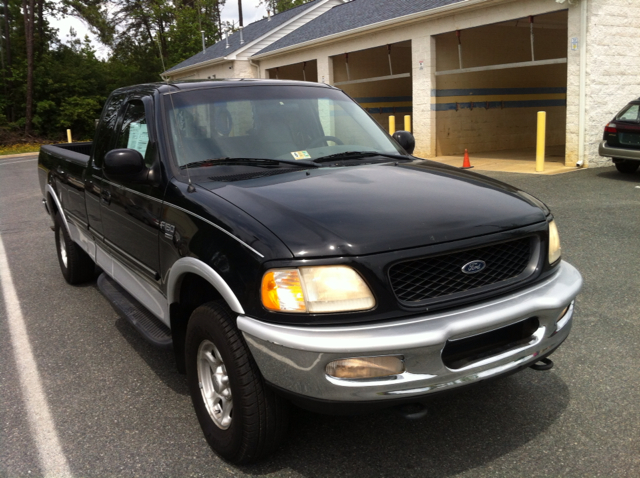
(473, 267)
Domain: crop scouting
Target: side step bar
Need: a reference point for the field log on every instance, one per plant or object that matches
(149, 326)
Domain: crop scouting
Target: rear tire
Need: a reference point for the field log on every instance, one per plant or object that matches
(242, 419)
(627, 167)
(75, 264)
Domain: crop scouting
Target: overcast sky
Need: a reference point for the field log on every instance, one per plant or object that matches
(251, 12)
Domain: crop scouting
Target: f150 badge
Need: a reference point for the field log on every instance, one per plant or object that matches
(473, 267)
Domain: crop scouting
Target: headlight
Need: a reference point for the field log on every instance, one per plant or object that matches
(555, 251)
(316, 290)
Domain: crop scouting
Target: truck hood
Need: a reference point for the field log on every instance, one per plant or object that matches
(374, 208)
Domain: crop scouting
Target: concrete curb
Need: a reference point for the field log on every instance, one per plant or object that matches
(20, 155)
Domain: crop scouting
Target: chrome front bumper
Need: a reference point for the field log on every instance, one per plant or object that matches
(294, 358)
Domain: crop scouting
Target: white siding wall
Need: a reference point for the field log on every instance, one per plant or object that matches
(613, 63)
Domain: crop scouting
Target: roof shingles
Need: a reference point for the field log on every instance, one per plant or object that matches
(352, 15)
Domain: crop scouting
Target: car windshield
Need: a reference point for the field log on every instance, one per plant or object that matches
(278, 122)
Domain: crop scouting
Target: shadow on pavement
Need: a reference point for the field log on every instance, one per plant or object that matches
(613, 174)
(161, 362)
(462, 431)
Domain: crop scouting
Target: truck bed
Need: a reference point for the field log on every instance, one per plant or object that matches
(68, 163)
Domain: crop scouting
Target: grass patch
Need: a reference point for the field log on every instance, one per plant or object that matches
(19, 148)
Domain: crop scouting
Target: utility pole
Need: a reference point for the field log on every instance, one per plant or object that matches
(240, 13)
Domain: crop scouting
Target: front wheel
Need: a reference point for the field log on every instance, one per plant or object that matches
(242, 419)
(627, 167)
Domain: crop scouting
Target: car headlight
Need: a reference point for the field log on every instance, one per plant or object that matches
(555, 251)
(316, 290)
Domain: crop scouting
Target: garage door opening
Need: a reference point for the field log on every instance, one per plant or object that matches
(492, 80)
(379, 79)
(305, 71)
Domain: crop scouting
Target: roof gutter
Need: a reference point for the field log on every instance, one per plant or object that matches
(439, 11)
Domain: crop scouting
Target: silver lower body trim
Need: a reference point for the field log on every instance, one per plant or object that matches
(144, 292)
(294, 358)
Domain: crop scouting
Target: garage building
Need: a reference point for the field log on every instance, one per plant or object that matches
(471, 73)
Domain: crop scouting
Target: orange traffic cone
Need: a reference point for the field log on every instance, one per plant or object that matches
(466, 164)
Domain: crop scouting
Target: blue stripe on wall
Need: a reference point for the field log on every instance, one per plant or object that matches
(397, 109)
(498, 91)
(498, 104)
(383, 99)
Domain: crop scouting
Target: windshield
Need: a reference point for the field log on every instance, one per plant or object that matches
(291, 123)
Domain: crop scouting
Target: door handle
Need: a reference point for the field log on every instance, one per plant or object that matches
(106, 197)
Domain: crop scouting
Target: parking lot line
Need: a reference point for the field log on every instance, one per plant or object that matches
(43, 430)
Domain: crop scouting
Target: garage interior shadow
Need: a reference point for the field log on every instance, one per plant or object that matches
(462, 430)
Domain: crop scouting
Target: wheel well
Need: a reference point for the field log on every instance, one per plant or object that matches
(194, 292)
(52, 204)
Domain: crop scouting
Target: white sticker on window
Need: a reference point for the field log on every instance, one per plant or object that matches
(138, 137)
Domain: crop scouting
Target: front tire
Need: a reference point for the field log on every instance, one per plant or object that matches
(75, 264)
(627, 167)
(242, 419)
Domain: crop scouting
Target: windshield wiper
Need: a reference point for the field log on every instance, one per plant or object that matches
(357, 155)
(225, 160)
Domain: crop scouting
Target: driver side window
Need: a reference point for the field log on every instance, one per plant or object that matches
(133, 132)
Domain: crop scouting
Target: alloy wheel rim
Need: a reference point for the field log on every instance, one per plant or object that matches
(214, 385)
(63, 247)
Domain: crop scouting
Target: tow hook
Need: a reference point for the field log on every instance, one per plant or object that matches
(412, 411)
(544, 364)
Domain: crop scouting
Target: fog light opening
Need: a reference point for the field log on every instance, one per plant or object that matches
(564, 312)
(366, 367)
(564, 317)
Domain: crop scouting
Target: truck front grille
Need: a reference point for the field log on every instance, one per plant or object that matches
(437, 278)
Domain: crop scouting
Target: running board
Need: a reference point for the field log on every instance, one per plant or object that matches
(142, 320)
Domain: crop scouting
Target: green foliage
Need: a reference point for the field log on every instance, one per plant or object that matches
(79, 114)
(279, 6)
(71, 82)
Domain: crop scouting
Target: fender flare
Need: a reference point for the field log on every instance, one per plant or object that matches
(195, 266)
(55, 199)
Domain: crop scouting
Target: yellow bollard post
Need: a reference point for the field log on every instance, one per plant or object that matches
(392, 124)
(541, 144)
(69, 136)
(407, 123)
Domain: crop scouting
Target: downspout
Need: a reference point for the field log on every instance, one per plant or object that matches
(257, 67)
(583, 82)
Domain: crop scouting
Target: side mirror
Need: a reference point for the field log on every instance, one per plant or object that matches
(406, 140)
(125, 165)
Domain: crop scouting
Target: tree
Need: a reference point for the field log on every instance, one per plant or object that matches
(28, 13)
(50, 83)
(279, 6)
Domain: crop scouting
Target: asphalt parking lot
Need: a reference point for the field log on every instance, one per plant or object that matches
(119, 408)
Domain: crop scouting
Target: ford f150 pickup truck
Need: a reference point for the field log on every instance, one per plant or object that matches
(289, 250)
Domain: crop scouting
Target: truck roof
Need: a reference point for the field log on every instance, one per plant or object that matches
(165, 87)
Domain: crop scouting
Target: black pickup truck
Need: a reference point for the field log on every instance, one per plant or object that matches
(289, 250)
